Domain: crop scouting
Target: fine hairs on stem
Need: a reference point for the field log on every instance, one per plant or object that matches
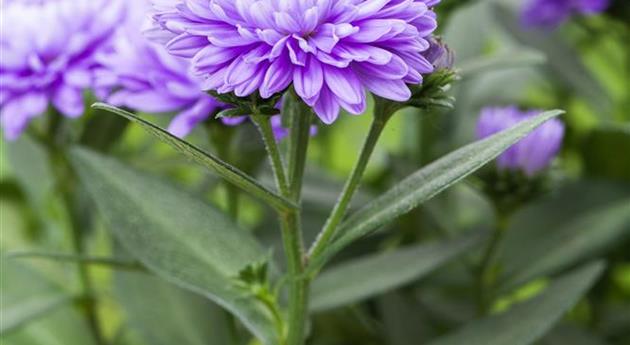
(290, 185)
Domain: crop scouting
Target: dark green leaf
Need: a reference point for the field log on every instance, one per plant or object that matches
(403, 319)
(365, 277)
(175, 235)
(165, 314)
(62, 257)
(27, 311)
(426, 183)
(33, 310)
(221, 168)
(580, 238)
(526, 322)
(569, 334)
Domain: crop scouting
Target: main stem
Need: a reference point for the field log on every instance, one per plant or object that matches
(266, 131)
(351, 186)
(486, 279)
(290, 222)
(88, 299)
(64, 182)
(290, 187)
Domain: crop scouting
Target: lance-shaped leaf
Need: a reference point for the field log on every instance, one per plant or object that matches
(577, 240)
(27, 311)
(35, 310)
(180, 238)
(525, 323)
(221, 168)
(426, 183)
(375, 274)
(164, 314)
(114, 263)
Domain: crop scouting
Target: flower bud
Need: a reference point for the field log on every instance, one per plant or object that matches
(533, 153)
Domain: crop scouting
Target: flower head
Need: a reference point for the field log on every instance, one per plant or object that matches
(141, 75)
(533, 153)
(551, 13)
(48, 55)
(331, 51)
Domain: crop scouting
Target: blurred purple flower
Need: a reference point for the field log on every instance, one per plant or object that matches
(139, 74)
(142, 76)
(551, 13)
(330, 50)
(48, 49)
(533, 153)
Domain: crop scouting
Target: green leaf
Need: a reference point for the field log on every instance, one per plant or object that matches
(526, 322)
(570, 334)
(27, 311)
(164, 314)
(33, 310)
(221, 168)
(578, 239)
(426, 183)
(63, 257)
(365, 277)
(176, 236)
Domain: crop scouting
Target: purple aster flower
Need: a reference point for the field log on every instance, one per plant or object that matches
(533, 153)
(48, 49)
(145, 78)
(551, 13)
(331, 51)
(139, 74)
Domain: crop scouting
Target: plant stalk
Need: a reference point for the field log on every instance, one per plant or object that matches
(488, 268)
(88, 299)
(67, 188)
(266, 131)
(290, 186)
(294, 244)
(352, 184)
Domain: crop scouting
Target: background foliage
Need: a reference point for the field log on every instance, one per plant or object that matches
(564, 274)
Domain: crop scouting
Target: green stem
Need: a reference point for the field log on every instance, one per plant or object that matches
(488, 268)
(352, 184)
(89, 301)
(298, 286)
(299, 136)
(266, 131)
(64, 180)
(289, 221)
(300, 122)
